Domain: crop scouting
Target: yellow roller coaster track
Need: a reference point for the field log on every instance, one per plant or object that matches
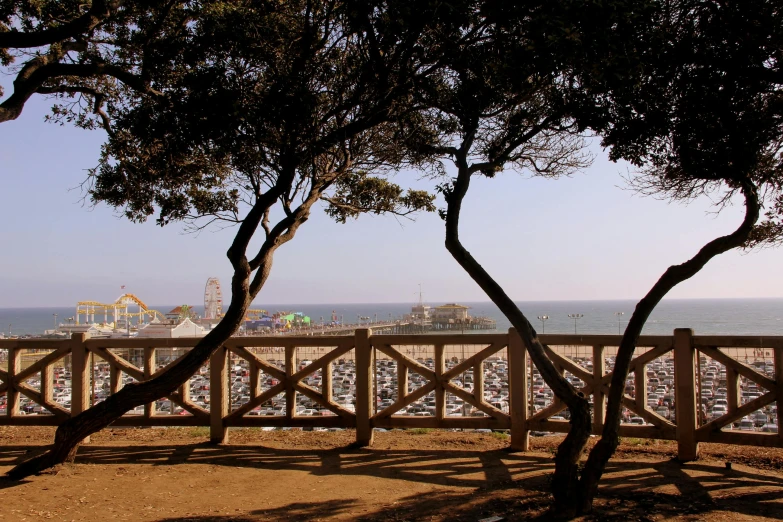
(121, 302)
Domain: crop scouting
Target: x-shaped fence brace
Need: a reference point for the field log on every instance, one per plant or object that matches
(440, 382)
(290, 382)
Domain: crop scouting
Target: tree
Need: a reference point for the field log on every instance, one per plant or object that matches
(704, 115)
(81, 53)
(688, 91)
(500, 103)
(264, 109)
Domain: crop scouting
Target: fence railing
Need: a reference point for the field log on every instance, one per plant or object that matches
(682, 387)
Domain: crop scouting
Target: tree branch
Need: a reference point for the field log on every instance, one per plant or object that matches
(99, 11)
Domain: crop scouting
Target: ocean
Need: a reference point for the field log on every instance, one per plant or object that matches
(704, 316)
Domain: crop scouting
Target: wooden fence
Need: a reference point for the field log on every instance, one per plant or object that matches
(288, 367)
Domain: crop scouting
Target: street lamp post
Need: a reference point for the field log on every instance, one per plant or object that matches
(543, 319)
(55, 322)
(619, 315)
(575, 317)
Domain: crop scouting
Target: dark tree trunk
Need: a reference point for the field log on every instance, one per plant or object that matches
(566, 477)
(73, 431)
(605, 448)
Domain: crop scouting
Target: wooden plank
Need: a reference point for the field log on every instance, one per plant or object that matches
(315, 396)
(219, 395)
(255, 381)
(401, 358)
(730, 341)
(626, 430)
(408, 399)
(164, 369)
(322, 361)
(567, 364)
(646, 432)
(115, 360)
(402, 381)
(364, 387)
(290, 341)
(741, 438)
(742, 369)
(12, 391)
(157, 342)
(445, 339)
(47, 385)
(149, 369)
(517, 392)
(685, 394)
(290, 391)
(80, 374)
(184, 396)
(651, 355)
(732, 389)
(553, 409)
(778, 354)
(30, 420)
(261, 399)
(262, 364)
(160, 421)
(599, 398)
(440, 390)
(41, 344)
(326, 382)
(36, 397)
(48, 360)
(556, 426)
(115, 378)
(606, 340)
(470, 361)
(740, 412)
(649, 416)
(640, 361)
(475, 423)
(640, 385)
(188, 406)
(269, 421)
(478, 382)
(467, 397)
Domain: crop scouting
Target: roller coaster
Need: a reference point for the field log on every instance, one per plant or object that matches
(120, 309)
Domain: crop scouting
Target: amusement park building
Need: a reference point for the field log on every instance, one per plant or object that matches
(450, 311)
(186, 328)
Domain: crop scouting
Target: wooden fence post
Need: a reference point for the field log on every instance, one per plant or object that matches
(12, 393)
(219, 395)
(364, 378)
(599, 398)
(80, 375)
(149, 369)
(290, 391)
(778, 355)
(517, 381)
(686, 413)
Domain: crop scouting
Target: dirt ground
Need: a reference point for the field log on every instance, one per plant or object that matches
(175, 475)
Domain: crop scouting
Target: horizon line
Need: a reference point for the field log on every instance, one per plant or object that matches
(449, 301)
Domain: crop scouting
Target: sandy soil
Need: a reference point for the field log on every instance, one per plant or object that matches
(175, 475)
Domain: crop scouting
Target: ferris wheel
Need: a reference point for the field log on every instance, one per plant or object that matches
(213, 299)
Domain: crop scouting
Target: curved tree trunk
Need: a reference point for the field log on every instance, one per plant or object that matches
(73, 431)
(566, 477)
(605, 448)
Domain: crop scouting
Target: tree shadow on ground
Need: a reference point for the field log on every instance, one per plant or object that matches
(499, 483)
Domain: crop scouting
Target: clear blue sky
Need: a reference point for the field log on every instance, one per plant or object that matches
(578, 238)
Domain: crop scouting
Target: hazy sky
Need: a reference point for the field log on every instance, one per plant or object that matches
(580, 238)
